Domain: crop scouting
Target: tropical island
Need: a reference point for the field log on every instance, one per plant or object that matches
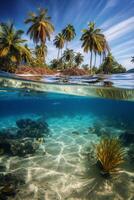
(17, 57)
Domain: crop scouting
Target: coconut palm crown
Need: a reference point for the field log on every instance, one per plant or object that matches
(93, 40)
(41, 26)
(78, 59)
(59, 43)
(68, 33)
(11, 43)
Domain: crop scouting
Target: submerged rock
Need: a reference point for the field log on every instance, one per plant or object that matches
(9, 185)
(24, 140)
(20, 146)
(23, 147)
(127, 138)
(97, 129)
(75, 133)
(31, 128)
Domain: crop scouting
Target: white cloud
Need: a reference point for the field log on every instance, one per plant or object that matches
(120, 29)
(126, 62)
(124, 45)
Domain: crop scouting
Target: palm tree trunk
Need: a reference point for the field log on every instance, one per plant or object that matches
(100, 59)
(104, 55)
(91, 61)
(61, 52)
(66, 44)
(58, 54)
(95, 60)
(43, 52)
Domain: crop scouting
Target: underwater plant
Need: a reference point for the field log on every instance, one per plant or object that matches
(110, 154)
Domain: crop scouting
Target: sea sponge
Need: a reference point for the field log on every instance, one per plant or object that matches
(110, 154)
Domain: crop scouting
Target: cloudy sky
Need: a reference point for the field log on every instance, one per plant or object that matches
(114, 17)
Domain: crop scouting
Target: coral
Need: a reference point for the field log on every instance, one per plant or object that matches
(22, 147)
(110, 154)
(31, 128)
(9, 185)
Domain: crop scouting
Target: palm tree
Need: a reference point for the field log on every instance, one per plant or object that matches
(56, 64)
(79, 59)
(132, 60)
(11, 44)
(68, 56)
(59, 43)
(41, 27)
(108, 64)
(93, 40)
(41, 52)
(68, 33)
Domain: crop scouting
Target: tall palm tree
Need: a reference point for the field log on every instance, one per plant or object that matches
(93, 40)
(68, 56)
(78, 59)
(68, 33)
(11, 44)
(41, 27)
(41, 52)
(132, 59)
(59, 43)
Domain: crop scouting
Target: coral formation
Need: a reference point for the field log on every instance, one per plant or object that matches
(9, 185)
(31, 128)
(24, 140)
(110, 154)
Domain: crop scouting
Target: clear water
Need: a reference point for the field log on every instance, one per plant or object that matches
(61, 169)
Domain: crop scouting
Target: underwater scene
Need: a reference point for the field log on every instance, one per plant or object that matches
(65, 147)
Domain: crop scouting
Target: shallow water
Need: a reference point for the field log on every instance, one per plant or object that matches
(63, 167)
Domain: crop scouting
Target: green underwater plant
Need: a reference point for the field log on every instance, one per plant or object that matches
(110, 154)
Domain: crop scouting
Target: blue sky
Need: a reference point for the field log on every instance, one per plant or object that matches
(114, 17)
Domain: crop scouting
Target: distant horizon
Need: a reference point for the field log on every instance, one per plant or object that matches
(114, 17)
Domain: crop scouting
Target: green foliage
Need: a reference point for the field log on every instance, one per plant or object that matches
(40, 53)
(41, 26)
(68, 57)
(94, 41)
(68, 33)
(7, 65)
(12, 50)
(59, 43)
(56, 64)
(110, 65)
(79, 58)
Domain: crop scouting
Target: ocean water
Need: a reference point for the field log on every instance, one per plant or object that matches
(62, 166)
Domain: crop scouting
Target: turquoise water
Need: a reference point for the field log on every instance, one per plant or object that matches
(57, 163)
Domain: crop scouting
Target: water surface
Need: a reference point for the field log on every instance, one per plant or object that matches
(62, 169)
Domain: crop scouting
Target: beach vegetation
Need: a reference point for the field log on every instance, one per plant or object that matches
(16, 52)
(12, 47)
(79, 58)
(110, 65)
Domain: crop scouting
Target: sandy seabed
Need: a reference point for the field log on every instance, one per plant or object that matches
(65, 169)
